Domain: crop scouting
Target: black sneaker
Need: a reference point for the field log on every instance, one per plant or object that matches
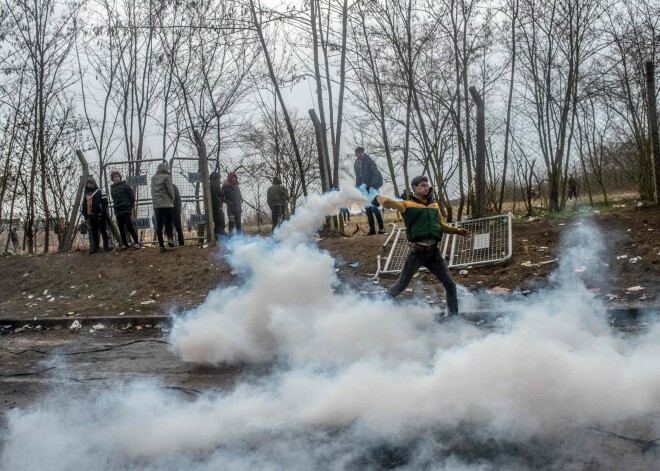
(371, 233)
(382, 230)
(170, 242)
(163, 250)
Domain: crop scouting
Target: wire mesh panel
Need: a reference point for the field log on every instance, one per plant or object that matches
(185, 175)
(490, 243)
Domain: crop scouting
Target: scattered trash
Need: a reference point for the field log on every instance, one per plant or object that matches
(132, 293)
(418, 273)
(499, 290)
(150, 301)
(122, 313)
(531, 218)
(235, 272)
(562, 224)
(611, 296)
(355, 265)
(75, 325)
(99, 327)
(580, 270)
(628, 230)
(595, 290)
(634, 259)
(463, 272)
(618, 257)
(138, 327)
(30, 296)
(90, 296)
(45, 292)
(634, 288)
(596, 212)
(542, 249)
(409, 289)
(71, 313)
(545, 262)
(38, 328)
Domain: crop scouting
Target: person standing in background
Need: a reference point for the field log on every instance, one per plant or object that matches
(123, 200)
(162, 196)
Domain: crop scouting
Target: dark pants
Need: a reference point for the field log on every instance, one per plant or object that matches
(234, 222)
(345, 214)
(371, 211)
(164, 216)
(124, 222)
(432, 260)
(278, 214)
(218, 222)
(177, 225)
(96, 224)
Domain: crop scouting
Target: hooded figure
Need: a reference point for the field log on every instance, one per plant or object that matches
(95, 212)
(233, 200)
(277, 197)
(123, 200)
(217, 200)
(162, 195)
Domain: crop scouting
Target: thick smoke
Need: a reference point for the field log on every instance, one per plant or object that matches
(366, 383)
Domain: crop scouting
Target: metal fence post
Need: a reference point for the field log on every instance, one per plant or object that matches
(653, 126)
(69, 234)
(480, 177)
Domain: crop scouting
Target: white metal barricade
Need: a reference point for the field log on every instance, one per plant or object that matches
(490, 244)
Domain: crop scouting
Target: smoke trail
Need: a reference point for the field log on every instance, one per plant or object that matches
(366, 384)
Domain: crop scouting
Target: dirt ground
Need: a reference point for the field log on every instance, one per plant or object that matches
(146, 282)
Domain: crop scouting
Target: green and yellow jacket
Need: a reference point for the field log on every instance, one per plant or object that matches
(422, 218)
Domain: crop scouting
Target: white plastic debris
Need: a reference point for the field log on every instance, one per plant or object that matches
(150, 301)
(75, 325)
(635, 288)
(618, 257)
(463, 272)
(634, 259)
(99, 327)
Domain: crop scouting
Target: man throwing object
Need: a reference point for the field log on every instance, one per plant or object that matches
(424, 227)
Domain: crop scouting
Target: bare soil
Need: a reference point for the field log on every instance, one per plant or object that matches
(146, 282)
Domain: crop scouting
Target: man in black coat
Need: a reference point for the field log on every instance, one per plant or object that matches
(178, 207)
(123, 200)
(217, 200)
(233, 200)
(367, 173)
(95, 212)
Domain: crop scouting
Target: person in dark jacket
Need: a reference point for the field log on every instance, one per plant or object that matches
(95, 212)
(277, 197)
(367, 173)
(162, 196)
(233, 200)
(123, 200)
(178, 206)
(424, 229)
(217, 201)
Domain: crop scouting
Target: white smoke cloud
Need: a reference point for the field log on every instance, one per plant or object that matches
(364, 383)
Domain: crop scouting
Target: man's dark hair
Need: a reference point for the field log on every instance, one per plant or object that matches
(277, 181)
(417, 180)
(359, 149)
(112, 175)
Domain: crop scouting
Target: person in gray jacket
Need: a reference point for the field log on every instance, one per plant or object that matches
(277, 197)
(162, 196)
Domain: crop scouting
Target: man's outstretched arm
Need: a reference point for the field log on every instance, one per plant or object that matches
(391, 204)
